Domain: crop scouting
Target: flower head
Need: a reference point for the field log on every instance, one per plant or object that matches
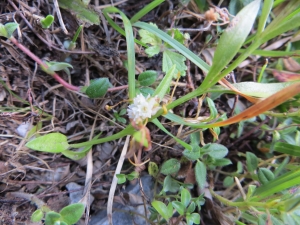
(143, 108)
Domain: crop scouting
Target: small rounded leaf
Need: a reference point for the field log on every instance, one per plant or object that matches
(132, 175)
(179, 207)
(145, 91)
(46, 22)
(170, 166)
(185, 197)
(251, 162)
(51, 218)
(54, 143)
(217, 151)
(193, 218)
(170, 185)
(153, 169)
(265, 175)
(37, 215)
(10, 28)
(57, 66)
(3, 31)
(162, 209)
(147, 78)
(98, 88)
(191, 207)
(228, 181)
(121, 178)
(200, 173)
(72, 213)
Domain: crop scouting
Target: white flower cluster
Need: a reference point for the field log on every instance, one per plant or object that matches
(143, 108)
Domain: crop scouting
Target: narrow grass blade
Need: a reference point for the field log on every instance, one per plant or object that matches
(230, 42)
(175, 44)
(279, 184)
(286, 148)
(164, 85)
(145, 10)
(116, 26)
(160, 126)
(130, 48)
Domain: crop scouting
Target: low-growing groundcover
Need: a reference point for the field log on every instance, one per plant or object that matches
(157, 112)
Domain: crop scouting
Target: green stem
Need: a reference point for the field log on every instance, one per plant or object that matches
(244, 204)
(127, 131)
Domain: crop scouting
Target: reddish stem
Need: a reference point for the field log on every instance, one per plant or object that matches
(55, 75)
(117, 88)
(42, 64)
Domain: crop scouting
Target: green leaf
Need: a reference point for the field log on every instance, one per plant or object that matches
(123, 112)
(191, 207)
(72, 213)
(237, 5)
(250, 191)
(37, 215)
(54, 143)
(200, 174)
(153, 169)
(286, 148)
(147, 78)
(216, 151)
(150, 38)
(265, 175)
(193, 218)
(10, 28)
(145, 10)
(47, 22)
(170, 185)
(3, 31)
(239, 167)
(121, 178)
(170, 166)
(170, 59)
(164, 85)
(121, 120)
(193, 154)
(185, 197)
(291, 204)
(283, 22)
(57, 66)
(179, 207)
(228, 181)
(51, 218)
(212, 109)
(251, 162)
(177, 35)
(222, 162)
(175, 44)
(195, 139)
(139, 137)
(145, 91)
(98, 88)
(80, 10)
(152, 50)
(279, 184)
(162, 209)
(231, 41)
(133, 175)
